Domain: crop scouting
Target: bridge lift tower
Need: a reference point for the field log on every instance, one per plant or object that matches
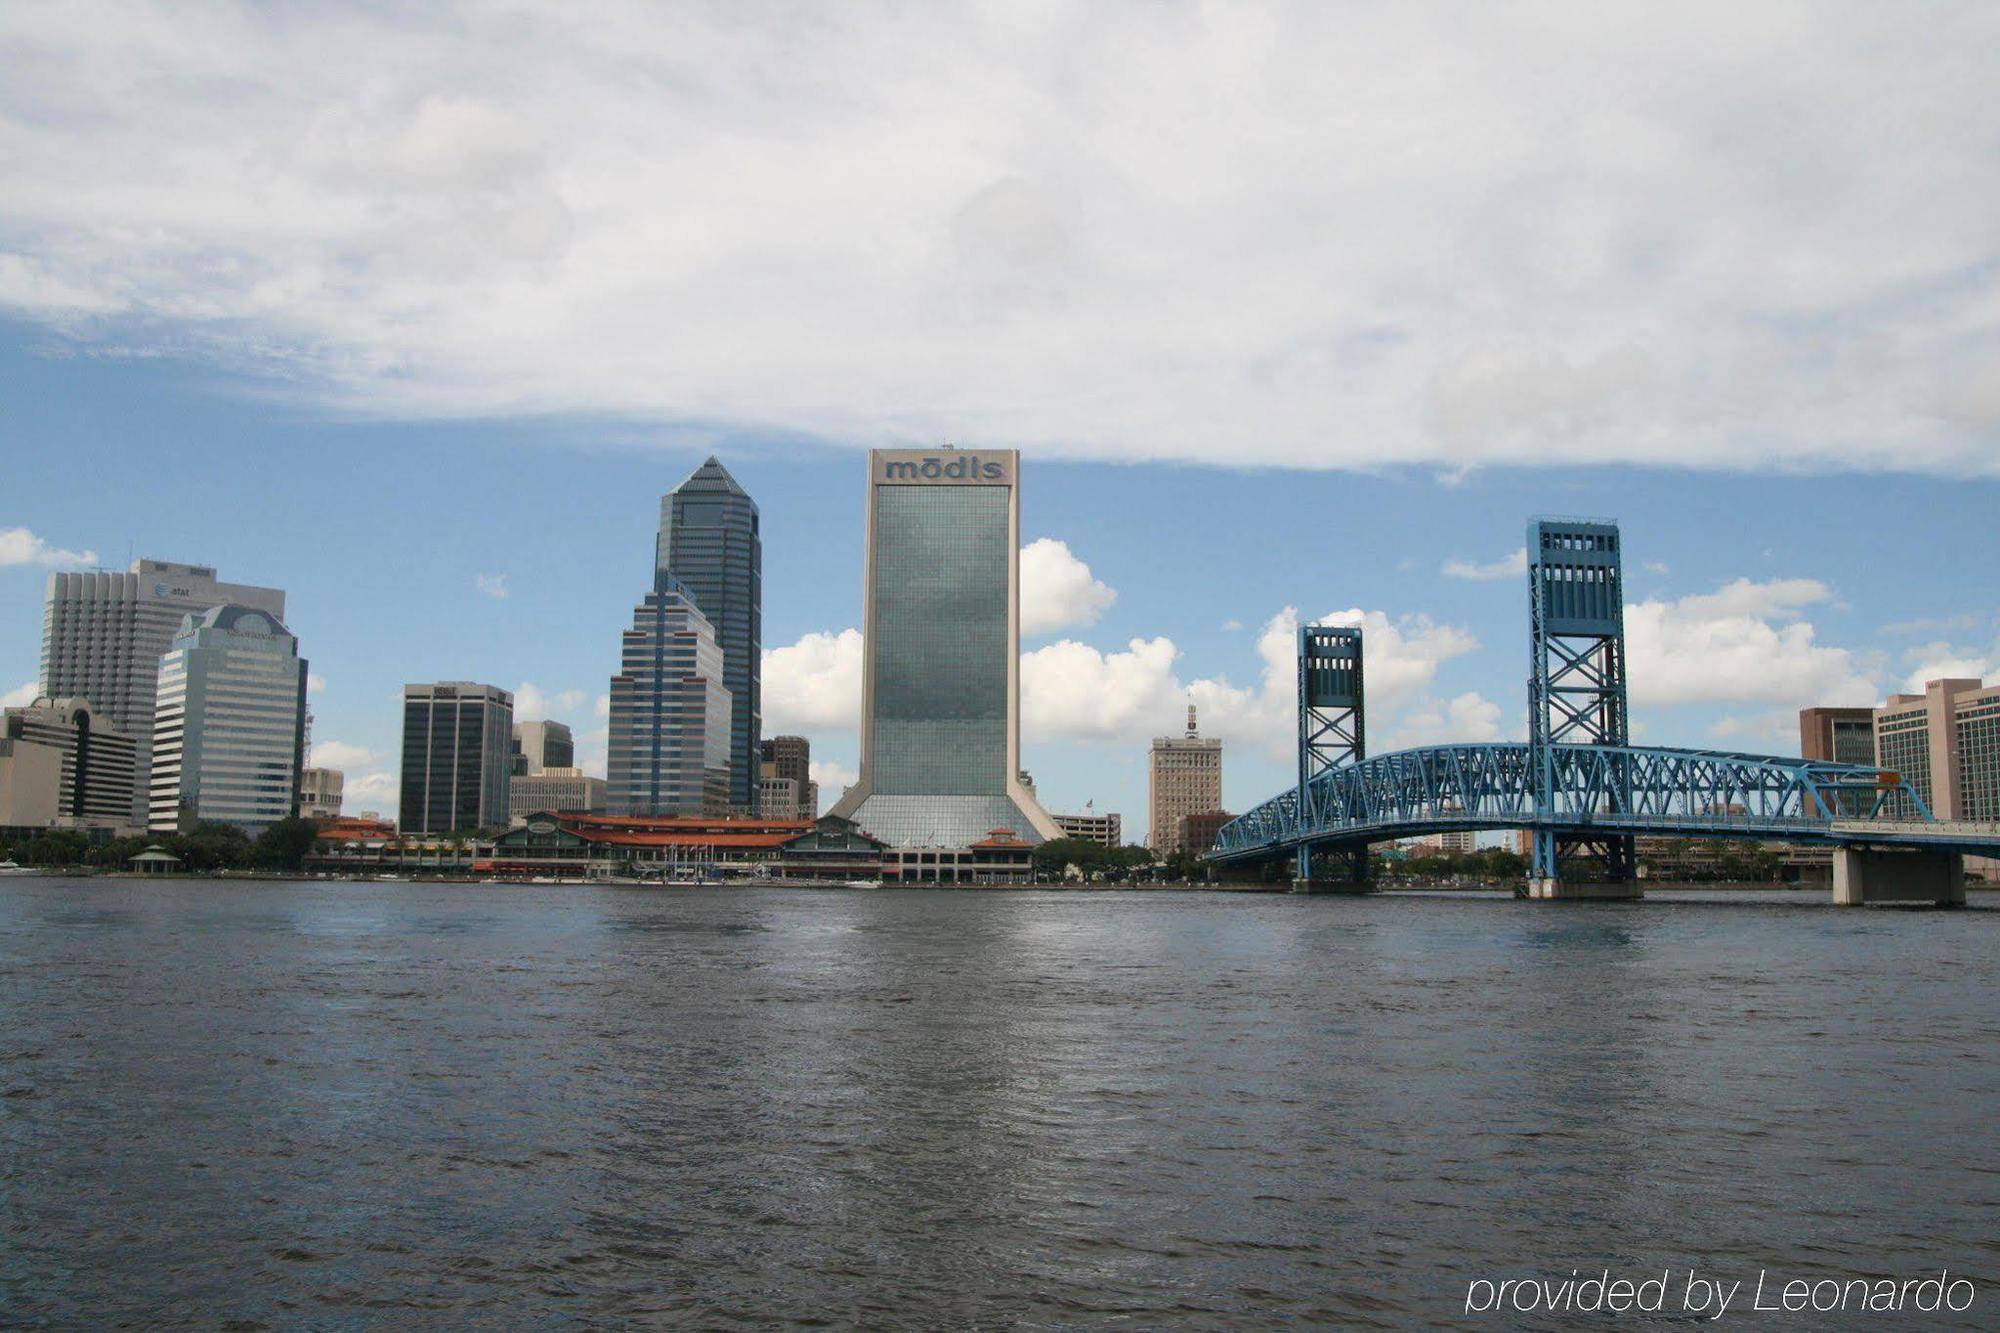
(1576, 696)
(1333, 732)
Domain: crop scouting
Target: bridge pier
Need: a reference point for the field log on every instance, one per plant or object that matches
(1864, 875)
(1553, 888)
(1354, 860)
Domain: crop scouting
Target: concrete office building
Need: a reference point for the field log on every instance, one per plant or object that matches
(551, 790)
(1946, 744)
(458, 740)
(1837, 735)
(669, 742)
(709, 542)
(319, 792)
(229, 729)
(542, 745)
(1183, 777)
(1107, 830)
(780, 798)
(103, 635)
(30, 784)
(789, 759)
(941, 697)
(96, 763)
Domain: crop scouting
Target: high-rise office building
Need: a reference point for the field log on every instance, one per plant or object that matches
(1946, 744)
(1183, 777)
(709, 542)
(787, 760)
(97, 764)
(103, 635)
(1837, 735)
(669, 746)
(457, 756)
(541, 745)
(941, 696)
(229, 727)
(319, 792)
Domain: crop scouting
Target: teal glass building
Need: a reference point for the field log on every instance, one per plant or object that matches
(940, 711)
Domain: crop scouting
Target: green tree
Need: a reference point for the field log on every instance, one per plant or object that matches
(212, 846)
(285, 844)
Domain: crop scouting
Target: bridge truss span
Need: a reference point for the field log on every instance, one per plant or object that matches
(1583, 790)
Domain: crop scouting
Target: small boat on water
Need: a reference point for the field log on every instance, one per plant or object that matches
(9, 868)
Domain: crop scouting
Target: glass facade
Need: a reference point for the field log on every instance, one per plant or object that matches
(457, 757)
(941, 561)
(229, 729)
(669, 737)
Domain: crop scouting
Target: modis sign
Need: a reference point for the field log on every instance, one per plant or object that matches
(944, 468)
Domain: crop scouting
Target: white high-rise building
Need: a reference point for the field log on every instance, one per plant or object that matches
(941, 654)
(319, 792)
(229, 728)
(103, 635)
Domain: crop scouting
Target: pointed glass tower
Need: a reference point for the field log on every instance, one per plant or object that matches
(710, 544)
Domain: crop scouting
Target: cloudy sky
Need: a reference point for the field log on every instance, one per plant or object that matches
(1295, 311)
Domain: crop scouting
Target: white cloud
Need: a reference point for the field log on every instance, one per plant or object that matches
(1747, 642)
(343, 756)
(1942, 660)
(1507, 566)
(592, 748)
(1656, 567)
(22, 695)
(1775, 732)
(533, 704)
(1465, 718)
(492, 585)
(370, 791)
(833, 778)
(18, 546)
(1057, 590)
(601, 705)
(814, 685)
(1682, 235)
(315, 683)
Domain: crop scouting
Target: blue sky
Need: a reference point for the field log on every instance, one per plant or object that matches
(380, 533)
(1293, 309)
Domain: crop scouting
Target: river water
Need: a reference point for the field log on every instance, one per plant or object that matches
(342, 1105)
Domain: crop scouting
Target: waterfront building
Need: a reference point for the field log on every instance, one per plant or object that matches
(97, 764)
(319, 792)
(457, 756)
(229, 726)
(669, 746)
(709, 542)
(1946, 744)
(30, 780)
(553, 789)
(941, 702)
(1198, 831)
(1107, 830)
(1458, 841)
(104, 633)
(1183, 777)
(541, 745)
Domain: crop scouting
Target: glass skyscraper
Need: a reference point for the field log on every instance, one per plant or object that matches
(940, 709)
(709, 543)
(457, 756)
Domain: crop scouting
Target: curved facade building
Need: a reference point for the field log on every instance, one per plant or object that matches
(941, 700)
(229, 725)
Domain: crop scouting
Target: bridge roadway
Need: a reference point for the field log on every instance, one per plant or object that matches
(1585, 790)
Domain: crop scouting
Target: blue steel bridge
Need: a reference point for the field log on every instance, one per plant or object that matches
(1578, 784)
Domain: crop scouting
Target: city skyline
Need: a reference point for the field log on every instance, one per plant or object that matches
(1719, 659)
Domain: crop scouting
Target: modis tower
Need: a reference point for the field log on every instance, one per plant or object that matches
(941, 687)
